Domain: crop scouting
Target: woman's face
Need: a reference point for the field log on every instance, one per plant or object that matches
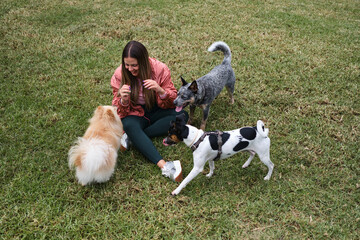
(132, 65)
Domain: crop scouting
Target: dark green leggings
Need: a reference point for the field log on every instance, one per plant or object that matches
(154, 123)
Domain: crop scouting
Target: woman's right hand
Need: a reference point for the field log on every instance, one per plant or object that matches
(124, 93)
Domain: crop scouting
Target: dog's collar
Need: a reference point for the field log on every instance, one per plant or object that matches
(194, 138)
(218, 133)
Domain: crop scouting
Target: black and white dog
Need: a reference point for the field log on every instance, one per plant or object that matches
(210, 146)
(203, 91)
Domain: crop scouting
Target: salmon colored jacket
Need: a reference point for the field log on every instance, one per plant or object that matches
(159, 73)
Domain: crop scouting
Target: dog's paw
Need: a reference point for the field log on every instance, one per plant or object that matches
(267, 178)
(209, 175)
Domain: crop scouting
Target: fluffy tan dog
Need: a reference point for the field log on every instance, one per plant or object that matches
(94, 155)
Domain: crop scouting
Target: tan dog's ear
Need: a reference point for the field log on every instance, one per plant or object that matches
(99, 109)
(110, 115)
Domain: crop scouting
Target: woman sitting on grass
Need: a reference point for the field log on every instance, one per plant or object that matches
(144, 95)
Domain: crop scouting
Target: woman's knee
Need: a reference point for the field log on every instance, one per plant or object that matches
(131, 123)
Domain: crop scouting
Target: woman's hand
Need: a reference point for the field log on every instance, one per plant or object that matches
(124, 93)
(152, 85)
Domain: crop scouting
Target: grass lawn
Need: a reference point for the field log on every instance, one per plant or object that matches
(297, 65)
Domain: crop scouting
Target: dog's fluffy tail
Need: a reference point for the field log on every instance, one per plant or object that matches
(261, 129)
(89, 156)
(221, 46)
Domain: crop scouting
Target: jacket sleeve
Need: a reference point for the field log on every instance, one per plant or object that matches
(164, 80)
(122, 110)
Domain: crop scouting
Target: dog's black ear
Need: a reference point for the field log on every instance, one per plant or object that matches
(180, 118)
(193, 87)
(172, 123)
(172, 126)
(183, 81)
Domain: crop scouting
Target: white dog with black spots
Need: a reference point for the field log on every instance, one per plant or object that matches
(210, 146)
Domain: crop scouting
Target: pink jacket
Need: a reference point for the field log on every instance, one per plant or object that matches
(161, 74)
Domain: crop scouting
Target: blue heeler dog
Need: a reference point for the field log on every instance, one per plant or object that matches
(204, 90)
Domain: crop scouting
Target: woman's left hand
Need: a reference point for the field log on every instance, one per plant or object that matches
(152, 85)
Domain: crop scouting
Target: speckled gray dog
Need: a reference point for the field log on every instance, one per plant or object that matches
(204, 90)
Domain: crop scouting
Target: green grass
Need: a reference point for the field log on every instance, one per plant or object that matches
(297, 65)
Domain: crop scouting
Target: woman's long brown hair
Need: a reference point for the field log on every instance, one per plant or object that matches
(138, 51)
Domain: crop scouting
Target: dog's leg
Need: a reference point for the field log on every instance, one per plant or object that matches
(206, 109)
(199, 163)
(191, 115)
(203, 124)
(230, 91)
(212, 167)
(265, 158)
(194, 172)
(247, 163)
